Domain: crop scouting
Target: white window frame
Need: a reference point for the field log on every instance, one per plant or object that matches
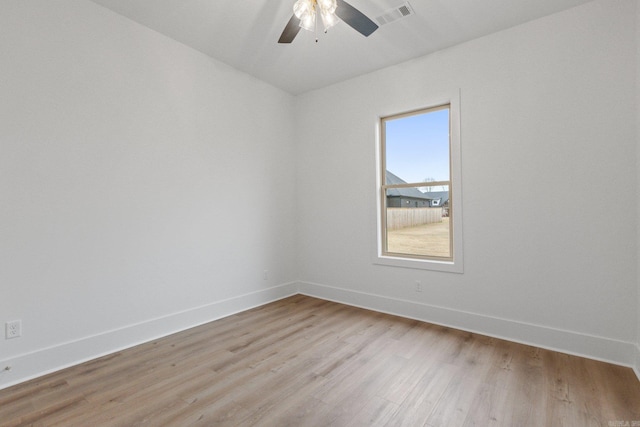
(456, 264)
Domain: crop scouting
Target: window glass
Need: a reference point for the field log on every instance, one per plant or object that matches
(417, 146)
(416, 189)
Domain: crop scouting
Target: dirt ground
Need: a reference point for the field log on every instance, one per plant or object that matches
(428, 239)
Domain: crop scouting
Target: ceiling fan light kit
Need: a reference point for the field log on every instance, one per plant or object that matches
(329, 18)
(305, 15)
(306, 10)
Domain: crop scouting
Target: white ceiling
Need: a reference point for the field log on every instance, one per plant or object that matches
(244, 33)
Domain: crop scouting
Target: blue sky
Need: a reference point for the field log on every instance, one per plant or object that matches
(418, 146)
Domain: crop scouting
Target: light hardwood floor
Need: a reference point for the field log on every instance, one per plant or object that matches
(303, 361)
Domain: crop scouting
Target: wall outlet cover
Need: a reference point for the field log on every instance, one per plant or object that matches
(13, 329)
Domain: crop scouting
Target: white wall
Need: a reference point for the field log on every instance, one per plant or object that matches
(637, 350)
(549, 184)
(144, 187)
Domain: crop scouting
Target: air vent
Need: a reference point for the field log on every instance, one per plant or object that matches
(394, 14)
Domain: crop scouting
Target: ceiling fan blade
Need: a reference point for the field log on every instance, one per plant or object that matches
(355, 19)
(290, 31)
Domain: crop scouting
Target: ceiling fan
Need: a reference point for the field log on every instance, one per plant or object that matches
(305, 16)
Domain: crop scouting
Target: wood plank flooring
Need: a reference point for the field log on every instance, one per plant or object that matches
(303, 361)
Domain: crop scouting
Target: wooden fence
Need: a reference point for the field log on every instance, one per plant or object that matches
(398, 218)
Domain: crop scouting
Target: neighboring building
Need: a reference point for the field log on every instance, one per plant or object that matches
(412, 197)
(439, 199)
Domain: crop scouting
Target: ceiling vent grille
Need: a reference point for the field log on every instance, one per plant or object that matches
(394, 14)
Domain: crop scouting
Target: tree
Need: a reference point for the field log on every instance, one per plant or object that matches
(427, 188)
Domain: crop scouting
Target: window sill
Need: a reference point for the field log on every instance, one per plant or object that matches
(421, 264)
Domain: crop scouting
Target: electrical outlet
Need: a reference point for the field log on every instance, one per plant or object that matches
(418, 286)
(265, 275)
(13, 329)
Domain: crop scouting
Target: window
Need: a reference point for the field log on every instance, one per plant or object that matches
(419, 220)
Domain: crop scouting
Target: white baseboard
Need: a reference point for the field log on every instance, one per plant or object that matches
(47, 360)
(575, 343)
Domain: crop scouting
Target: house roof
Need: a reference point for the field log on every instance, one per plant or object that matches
(403, 192)
(442, 195)
(413, 192)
